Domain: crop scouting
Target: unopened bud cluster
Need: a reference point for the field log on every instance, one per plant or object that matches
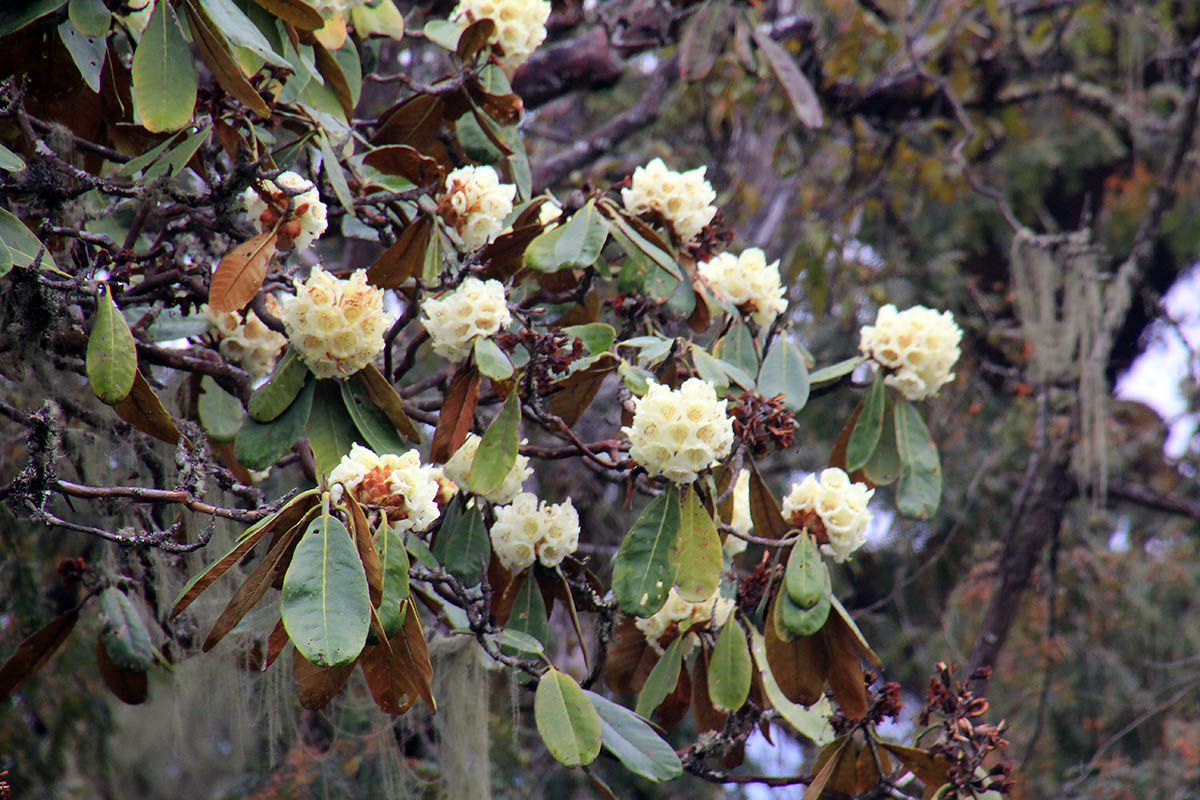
(520, 24)
(677, 433)
(475, 204)
(526, 530)
(247, 341)
(839, 504)
(307, 217)
(476, 308)
(684, 199)
(712, 612)
(336, 326)
(748, 282)
(400, 484)
(458, 468)
(919, 346)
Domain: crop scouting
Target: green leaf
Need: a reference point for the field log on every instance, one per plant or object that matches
(259, 445)
(164, 74)
(220, 412)
(642, 570)
(637, 380)
(241, 31)
(517, 641)
(443, 33)
(835, 371)
(498, 448)
(574, 244)
(14, 16)
(23, 245)
(420, 551)
(729, 668)
(10, 161)
(867, 430)
(6, 259)
(812, 722)
(111, 351)
(325, 603)
(637, 245)
(567, 722)
(394, 559)
(920, 489)
(784, 372)
(597, 337)
(337, 177)
(737, 350)
(135, 165)
(528, 615)
(88, 52)
(491, 360)
(807, 577)
(331, 432)
(710, 369)
(177, 158)
(637, 745)
(464, 548)
(792, 621)
(697, 554)
(662, 679)
(124, 634)
(277, 394)
(883, 467)
(374, 425)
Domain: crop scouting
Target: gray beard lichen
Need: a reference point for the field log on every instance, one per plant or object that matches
(461, 688)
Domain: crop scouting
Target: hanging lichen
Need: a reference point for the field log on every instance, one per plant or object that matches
(461, 688)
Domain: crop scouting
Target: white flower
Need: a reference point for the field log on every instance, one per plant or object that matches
(684, 199)
(741, 521)
(459, 467)
(677, 433)
(476, 308)
(549, 212)
(526, 530)
(748, 282)
(248, 342)
(712, 612)
(841, 507)
(337, 326)
(919, 345)
(307, 211)
(520, 24)
(400, 483)
(475, 204)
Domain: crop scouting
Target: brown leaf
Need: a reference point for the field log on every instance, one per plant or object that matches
(404, 259)
(504, 589)
(241, 272)
(130, 686)
(869, 776)
(504, 108)
(844, 672)
(275, 644)
(230, 139)
(932, 770)
(315, 685)
(837, 456)
(625, 671)
(701, 316)
(577, 391)
(226, 562)
(798, 666)
(474, 38)
(366, 549)
(216, 52)
(297, 12)
(764, 511)
(253, 589)
(408, 163)
(799, 91)
(826, 763)
(581, 313)
(458, 410)
(384, 396)
(708, 718)
(224, 451)
(703, 39)
(36, 649)
(335, 79)
(505, 256)
(143, 410)
(416, 122)
(409, 646)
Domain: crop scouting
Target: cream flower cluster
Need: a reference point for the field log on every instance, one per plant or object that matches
(248, 341)
(748, 282)
(459, 467)
(475, 308)
(336, 326)
(475, 204)
(710, 613)
(741, 521)
(677, 433)
(683, 198)
(526, 530)
(399, 483)
(520, 24)
(307, 210)
(840, 505)
(919, 345)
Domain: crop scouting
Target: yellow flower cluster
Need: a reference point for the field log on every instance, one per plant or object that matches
(918, 345)
(336, 326)
(520, 24)
(841, 507)
(748, 282)
(475, 204)
(526, 530)
(710, 613)
(459, 467)
(400, 484)
(683, 198)
(247, 341)
(475, 308)
(677, 433)
(307, 211)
